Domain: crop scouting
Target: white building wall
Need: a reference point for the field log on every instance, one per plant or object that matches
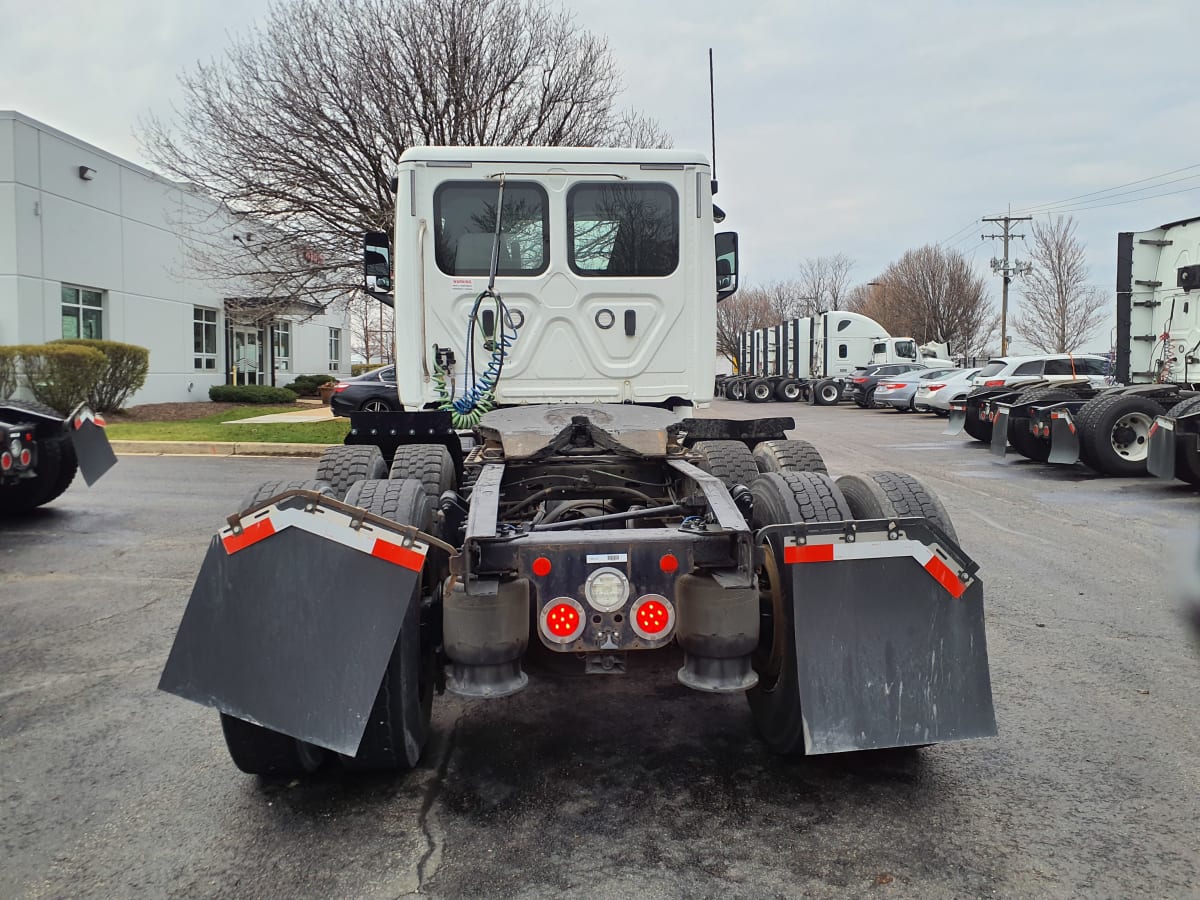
(122, 233)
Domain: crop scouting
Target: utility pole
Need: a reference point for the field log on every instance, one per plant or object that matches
(1005, 268)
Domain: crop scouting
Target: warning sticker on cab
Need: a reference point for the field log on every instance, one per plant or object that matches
(607, 557)
(462, 284)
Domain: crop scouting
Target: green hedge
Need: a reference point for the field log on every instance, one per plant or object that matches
(250, 393)
(125, 373)
(307, 385)
(360, 368)
(60, 375)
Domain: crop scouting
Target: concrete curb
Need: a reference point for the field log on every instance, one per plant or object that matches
(214, 448)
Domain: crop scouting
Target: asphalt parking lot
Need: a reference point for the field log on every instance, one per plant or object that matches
(616, 787)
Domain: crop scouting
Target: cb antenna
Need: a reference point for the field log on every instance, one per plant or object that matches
(712, 118)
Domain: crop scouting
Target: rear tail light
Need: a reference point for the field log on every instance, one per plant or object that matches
(26, 457)
(994, 382)
(859, 380)
(561, 620)
(5, 461)
(893, 387)
(933, 387)
(339, 387)
(652, 617)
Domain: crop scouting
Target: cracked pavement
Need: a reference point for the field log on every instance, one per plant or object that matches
(616, 786)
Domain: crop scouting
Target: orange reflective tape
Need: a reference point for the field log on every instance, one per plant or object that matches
(251, 534)
(808, 553)
(400, 556)
(945, 577)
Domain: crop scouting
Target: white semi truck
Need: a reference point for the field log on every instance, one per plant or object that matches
(1148, 420)
(810, 357)
(548, 488)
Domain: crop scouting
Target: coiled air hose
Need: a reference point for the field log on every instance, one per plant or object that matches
(479, 397)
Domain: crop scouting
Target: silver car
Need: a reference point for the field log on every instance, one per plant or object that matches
(935, 395)
(899, 391)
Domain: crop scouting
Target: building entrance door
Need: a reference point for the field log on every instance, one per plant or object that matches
(247, 356)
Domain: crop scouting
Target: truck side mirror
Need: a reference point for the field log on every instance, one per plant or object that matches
(377, 266)
(727, 264)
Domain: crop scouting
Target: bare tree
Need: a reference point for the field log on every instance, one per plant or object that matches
(825, 280)
(748, 309)
(1059, 309)
(297, 127)
(857, 298)
(933, 294)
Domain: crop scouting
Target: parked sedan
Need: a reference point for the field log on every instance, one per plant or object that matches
(860, 386)
(373, 391)
(937, 394)
(899, 392)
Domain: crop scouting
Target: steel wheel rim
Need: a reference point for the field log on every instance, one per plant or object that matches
(375, 406)
(791, 391)
(1130, 436)
(829, 392)
(762, 391)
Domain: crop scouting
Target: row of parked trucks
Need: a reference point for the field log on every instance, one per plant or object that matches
(1148, 421)
(810, 358)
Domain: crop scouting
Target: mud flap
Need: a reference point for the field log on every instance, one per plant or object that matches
(1064, 438)
(1160, 458)
(294, 616)
(90, 442)
(890, 642)
(999, 444)
(957, 420)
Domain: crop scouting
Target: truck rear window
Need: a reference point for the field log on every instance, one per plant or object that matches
(623, 230)
(465, 228)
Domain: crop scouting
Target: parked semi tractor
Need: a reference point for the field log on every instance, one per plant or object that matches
(550, 489)
(40, 452)
(1156, 375)
(810, 358)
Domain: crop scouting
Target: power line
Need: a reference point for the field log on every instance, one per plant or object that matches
(1123, 202)
(1050, 208)
(970, 225)
(1038, 206)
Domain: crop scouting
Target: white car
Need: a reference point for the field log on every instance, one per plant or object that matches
(1009, 371)
(936, 394)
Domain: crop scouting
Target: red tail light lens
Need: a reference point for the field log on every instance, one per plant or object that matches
(26, 457)
(994, 382)
(668, 563)
(934, 387)
(859, 380)
(541, 567)
(339, 387)
(6, 461)
(562, 620)
(893, 387)
(653, 617)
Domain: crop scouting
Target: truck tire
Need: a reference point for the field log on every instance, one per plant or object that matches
(1114, 432)
(883, 495)
(731, 461)
(828, 393)
(782, 498)
(1187, 456)
(398, 726)
(1025, 441)
(55, 468)
(759, 391)
(430, 464)
(788, 456)
(736, 390)
(260, 751)
(980, 430)
(269, 489)
(789, 391)
(342, 466)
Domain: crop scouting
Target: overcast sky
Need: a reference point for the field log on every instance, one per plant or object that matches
(864, 130)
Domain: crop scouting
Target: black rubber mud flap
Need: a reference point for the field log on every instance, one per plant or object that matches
(890, 642)
(293, 619)
(92, 449)
(1064, 438)
(999, 445)
(957, 420)
(1160, 458)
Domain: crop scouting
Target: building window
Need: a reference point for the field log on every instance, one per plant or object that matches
(283, 346)
(335, 349)
(82, 313)
(204, 337)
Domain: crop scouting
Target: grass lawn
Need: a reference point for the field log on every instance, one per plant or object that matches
(210, 428)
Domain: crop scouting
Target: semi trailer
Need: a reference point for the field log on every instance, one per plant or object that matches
(40, 452)
(550, 486)
(809, 358)
(1156, 376)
